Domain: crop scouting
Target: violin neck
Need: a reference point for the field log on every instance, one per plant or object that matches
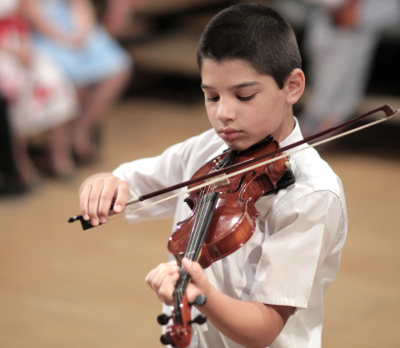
(202, 222)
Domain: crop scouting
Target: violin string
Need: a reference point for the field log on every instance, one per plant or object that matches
(205, 204)
(196, 240)
(184, 277)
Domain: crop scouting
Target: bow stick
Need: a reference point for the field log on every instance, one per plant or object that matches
(245, 166)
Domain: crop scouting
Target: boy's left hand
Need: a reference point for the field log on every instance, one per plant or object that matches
(163, 278)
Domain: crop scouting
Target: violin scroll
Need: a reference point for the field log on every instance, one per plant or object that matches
(179, 334)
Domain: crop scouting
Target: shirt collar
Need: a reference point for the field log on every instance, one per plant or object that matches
(294, 136)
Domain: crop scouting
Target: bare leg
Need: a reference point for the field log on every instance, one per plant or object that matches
(23, 163)
(96, 102)
(60, 152)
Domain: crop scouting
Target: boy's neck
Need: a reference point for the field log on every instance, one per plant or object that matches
(285, 129)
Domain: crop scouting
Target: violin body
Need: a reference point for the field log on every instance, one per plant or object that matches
(234, 219)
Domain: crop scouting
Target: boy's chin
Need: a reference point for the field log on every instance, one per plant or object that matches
(236, 146)
(241, 144)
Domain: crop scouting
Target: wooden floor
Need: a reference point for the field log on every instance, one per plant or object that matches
(67, 288)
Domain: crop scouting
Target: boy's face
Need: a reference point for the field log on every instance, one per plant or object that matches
(244, 106)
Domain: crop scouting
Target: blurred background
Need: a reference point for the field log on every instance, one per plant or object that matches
(64, 287)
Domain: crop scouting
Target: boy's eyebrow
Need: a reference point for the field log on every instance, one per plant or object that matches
(246, 84)
(240, 85)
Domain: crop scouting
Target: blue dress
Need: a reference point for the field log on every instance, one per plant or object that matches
(100, 57)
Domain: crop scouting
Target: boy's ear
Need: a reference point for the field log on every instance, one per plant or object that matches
(295, 85)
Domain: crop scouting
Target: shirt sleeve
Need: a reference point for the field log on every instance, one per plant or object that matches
(151, 174)
(176, 164)
(300, 236)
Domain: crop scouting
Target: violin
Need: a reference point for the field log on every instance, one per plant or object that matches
(223, 218)
(222, 196)
(227, 207)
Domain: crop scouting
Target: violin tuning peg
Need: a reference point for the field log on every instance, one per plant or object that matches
(163, 319)
(200, 300)
(200, 319)
(166, 339)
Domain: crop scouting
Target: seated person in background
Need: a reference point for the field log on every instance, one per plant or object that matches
(118, 15)
(40, 98)
(67, 31)
(269, 292)
(341, 37)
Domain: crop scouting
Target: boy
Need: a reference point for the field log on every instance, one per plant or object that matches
(269, 292)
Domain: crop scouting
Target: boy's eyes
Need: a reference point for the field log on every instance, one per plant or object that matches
(250, 97)
(215, 99)
(212, 99)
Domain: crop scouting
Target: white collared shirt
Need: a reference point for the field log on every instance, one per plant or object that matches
(294, 253)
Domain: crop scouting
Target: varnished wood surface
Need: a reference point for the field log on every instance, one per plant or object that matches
(63, 287)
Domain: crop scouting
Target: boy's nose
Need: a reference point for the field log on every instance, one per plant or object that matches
(225, 111)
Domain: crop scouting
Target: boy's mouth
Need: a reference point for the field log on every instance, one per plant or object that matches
(229, 134)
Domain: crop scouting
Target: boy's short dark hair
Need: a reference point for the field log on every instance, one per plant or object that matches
(256, 34)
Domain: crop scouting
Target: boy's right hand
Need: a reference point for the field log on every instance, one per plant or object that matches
(98, 192)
